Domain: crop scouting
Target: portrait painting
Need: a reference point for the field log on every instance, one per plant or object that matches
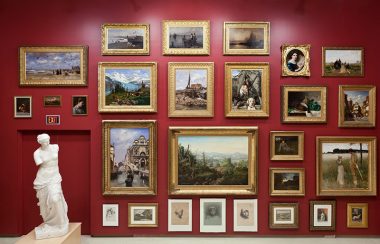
(142, 215)
(343, 61)
(212, 215)
(191, 89)
(346, 166)
(129, 157)
(287, 181)
(79, 105)
(110, 214)
(295, 60)
(287, 145)
(322, 215)
(357, 215)
(22, 107)
(247, 89)
(283, 215)
(179, 215)
(127, 87)
(245, 215)
(52, 101)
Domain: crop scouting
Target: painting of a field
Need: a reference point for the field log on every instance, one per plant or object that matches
(343, 62)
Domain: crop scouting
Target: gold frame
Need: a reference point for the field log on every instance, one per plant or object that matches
(228, 110)
(172, 67)
(44, 100)
(297, 119)
(154, 205)
(305, 49)
(324, 49)
(372, 182)
(246, 24)
(83, 50)
(166, 24)
(299, 156)
(273, 225)
(274, 192)
(332, 203)
(72, 104)
(107, 125)
(372, 104)
(352, 224)
(103, 108)
(107, 51)
(15, 107)
(249, 189)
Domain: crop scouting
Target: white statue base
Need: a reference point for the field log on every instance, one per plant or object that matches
(45, 231)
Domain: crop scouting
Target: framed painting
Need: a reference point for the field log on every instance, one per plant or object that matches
(246, 90)
(212, 215)
(357, 215)
(287, 181)
(79, 105)
(180, 215)
(125, 39)
(185, 37)
(129, 157)
(322, 215)
(304, 104)
(246, 38)
(53, 66)
(213, 160)
(283, 215)
(52, 101)
(286, 145)
(22, 107)
(110, 215)
(191, 89)
(142, 215)
(295, 60)
(343, 61)
(357, 106)
(346, 165)
(245, 215)
(127, 87)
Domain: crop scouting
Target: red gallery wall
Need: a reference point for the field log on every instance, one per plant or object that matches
(73, 22)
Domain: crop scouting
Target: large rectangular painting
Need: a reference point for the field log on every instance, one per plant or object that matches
(343, 61)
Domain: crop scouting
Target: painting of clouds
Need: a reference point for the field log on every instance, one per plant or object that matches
(246, 38)
(122, 38)
(191, 89)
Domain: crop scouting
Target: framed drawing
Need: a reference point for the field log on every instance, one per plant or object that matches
(191, 89)
(357, 215)
(212, 160)
(295, 60)
(246, 90)
(180, 215)
(343, 61)
(52, 101)
(283, 215)
(246, 38)
(142, 215)
(22, 107)
(245, 215)
(127, 87)
(125, 39)
(79, 105)
(287, 182)
(346, 166)
(286, 145)
(129, 157)
(357, 106)
(110, 214)
(53, 66)
(322, 215)
(185, 37)
(212, 215)
(303, 104)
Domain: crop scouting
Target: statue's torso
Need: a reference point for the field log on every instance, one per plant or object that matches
(48, 172)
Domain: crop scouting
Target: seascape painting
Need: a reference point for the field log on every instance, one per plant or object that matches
(125, 38)
(246, 38)
(186, 37)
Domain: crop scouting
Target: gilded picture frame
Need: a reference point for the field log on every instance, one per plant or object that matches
(143, 215)
(246, 89)
(129, 157)
(287, 181)
(191, 89)
(53, 65)
(246, 38)
(283, 216)
(186, 37)
(295, 60)
(127, 87)
(227, 156)
(346, 166)
(286, 145)
(357, 215)
(343, 61)
(357, 106)
(322, 215)
(52, 101)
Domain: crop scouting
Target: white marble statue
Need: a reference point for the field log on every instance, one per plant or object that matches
(53, 207)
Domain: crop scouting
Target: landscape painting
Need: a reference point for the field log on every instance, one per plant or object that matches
(52, 101)
(287, 181)
(283, 215)
(344, 61)
(142, 215)
(287, 145)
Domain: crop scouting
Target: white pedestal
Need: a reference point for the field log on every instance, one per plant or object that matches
(72, 237)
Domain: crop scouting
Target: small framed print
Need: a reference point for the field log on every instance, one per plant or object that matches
(212, 215)
(295, 60)
(286, 145)
(22, 107)
(245, 215)
(79, 105)
(287, 181)
(322, 215)
(52, 101)
(283, 215)
(180, 215)
(142, 215)
(110, 214)
(357, 215)
(343, 61)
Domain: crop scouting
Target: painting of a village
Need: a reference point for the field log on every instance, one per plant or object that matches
(212, 160)
(191, 89)
(356, 105)
(185, 37)
(246, 89)
(246, 38)
(122, 38)
(343, 62)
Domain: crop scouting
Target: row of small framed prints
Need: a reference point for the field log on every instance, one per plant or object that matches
(245, 215)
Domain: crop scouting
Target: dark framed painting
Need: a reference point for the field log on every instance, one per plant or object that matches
(287, 181)
(286, 145)
(79, 105)
(52, 101)
(22, 107)
(343, 61)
